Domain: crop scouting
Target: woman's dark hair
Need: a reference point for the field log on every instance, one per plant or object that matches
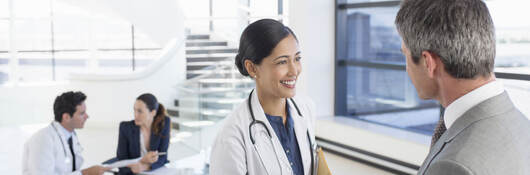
(67, 103)
(152, 104)
(258, 40)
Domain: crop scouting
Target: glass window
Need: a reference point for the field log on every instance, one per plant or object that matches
(33, 43)
(264, 8)
(4, 51)
(377, 87)
(365, 1)
(146, 51)
(513, 44)
(35, 66)
(372, 35)
(33, 35)
(34, 9)
(53, 39)
(519, 92)
(4, 9)
(371, 72)
(513, 37)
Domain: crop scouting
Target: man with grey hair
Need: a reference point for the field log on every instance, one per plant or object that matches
(449, 47)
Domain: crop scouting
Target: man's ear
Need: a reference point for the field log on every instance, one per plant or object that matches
(430, 62)
(66, 117)
(251, 68)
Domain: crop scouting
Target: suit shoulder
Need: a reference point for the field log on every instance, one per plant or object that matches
(167, 121)
(127, 124)
(489, 146)
(449, 167)
(167, 124)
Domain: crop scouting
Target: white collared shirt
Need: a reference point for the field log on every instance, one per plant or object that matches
(67, 134)
(473, 98)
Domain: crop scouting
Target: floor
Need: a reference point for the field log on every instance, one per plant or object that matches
(100, 144)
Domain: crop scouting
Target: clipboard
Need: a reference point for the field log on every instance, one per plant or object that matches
(321, 164)
(122, 163)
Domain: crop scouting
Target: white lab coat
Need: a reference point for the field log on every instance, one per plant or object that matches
(234, 154)
(44, 154)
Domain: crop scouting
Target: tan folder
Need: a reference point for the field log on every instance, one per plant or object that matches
(322, 165)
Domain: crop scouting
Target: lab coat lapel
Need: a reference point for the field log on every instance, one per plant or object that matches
(66, 147)
(259, 113)
(300, 127)
(63, 137)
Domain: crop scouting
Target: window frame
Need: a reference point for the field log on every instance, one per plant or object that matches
(341, 63)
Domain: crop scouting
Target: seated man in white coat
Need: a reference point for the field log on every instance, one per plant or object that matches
(55, 148)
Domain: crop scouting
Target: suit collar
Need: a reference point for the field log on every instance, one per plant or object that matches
(484, 110)
(473, 98)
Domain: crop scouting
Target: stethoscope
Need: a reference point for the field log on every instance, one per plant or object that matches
(312, 147)
(67, 159)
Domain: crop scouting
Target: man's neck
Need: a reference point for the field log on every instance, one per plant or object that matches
(452, 89)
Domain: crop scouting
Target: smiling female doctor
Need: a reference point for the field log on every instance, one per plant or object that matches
(271, 133)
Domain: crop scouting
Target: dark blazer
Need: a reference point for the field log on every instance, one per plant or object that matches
(129, 144)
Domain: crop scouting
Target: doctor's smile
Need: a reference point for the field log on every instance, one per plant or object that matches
(288, 83)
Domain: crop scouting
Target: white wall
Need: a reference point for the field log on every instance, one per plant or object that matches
(313, 21)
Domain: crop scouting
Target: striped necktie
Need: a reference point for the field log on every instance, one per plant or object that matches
(440, 128)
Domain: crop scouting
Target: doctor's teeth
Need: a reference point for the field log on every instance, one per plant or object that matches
(289, 82)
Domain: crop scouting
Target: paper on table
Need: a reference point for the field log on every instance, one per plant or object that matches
(122, 163)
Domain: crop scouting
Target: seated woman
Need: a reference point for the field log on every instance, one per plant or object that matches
(145, 136)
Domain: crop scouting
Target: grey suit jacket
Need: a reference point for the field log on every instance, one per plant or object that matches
(492, 137)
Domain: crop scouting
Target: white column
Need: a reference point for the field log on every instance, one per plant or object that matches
(313, 21)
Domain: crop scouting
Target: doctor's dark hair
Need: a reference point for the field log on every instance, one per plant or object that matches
(258, 40)
(152, 104)
(67, 103)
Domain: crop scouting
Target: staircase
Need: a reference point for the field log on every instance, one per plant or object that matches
(214, 86)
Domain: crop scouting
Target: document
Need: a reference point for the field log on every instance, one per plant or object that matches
(322, 165)
(122, 163)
